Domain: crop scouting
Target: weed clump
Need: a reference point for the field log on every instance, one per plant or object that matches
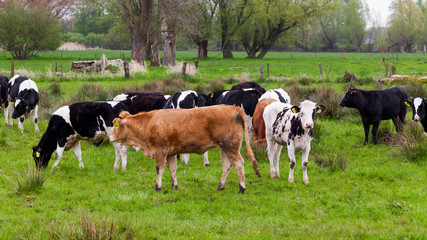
(31, 181)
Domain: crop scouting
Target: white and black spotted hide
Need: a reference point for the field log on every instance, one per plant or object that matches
(419, 109)
(277, 94)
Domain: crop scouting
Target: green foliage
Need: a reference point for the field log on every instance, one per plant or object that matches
(92, 18)
(25, 32)
(94, 40)
(73, 37)
(30, 181)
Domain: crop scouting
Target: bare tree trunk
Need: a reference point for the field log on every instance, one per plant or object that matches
(202, 49)
(155, 59)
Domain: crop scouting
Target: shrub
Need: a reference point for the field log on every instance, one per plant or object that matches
(304, 80)
(414, 89)
(412, 143)
(92, 92)
(385, 132)
(55, 89)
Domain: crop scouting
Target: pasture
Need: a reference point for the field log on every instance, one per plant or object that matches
(356, 191)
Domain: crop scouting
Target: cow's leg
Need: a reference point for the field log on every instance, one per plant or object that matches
(58, 155)
(206, 159)
(291, 154)
(160, 168)
(304, 162)
(250, 127)
(398, 123)
(237, 161)
(35, 110)
(278, 149)
(366, 127)
(186, 159)
(270, 152)
(8, 114)
(21, 123)
(123, 155)
(172, 169)
(226, 166)
(374, 132)
(117, 151)
(78, 152)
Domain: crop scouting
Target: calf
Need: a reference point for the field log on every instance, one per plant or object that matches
(137, 102)
(23, 98)
(90, 121)
(187, 99)
(277, 94)
(248, 85)
(375, 106)
(4, 93)
(419, 110)
(245, 99)
(161, 139)
(291, 126)
(258, 120)
(210, 99)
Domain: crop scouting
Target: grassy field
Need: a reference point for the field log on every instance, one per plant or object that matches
(356, 191)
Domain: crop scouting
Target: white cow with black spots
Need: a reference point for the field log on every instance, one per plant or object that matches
(291, 126)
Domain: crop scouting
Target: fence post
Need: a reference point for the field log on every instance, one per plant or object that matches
(386, 70)
(126, 68)
(62, 73)
(184, 68)
(261, 72)
(320, 70)
(393, 70)
(329, 69)
(56, 67)
(196, 64)
(12, 68)
(268, 70)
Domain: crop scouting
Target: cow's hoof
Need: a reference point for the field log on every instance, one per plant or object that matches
(221, 186)
(157, 188)
(115, 168)
(291, 180)
(174, 186)
(81, 166)
(306, 181)
(242, 189)
(207, 165)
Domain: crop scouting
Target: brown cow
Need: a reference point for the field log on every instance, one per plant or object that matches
(162, 134)
(258, 120)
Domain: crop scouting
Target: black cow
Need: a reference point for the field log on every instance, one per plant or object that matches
(375, 106)
(4, 93)
(209, 99)
(90, 121)
(137, 102)
(245, 99)
(23, 98)
(247, 85)
(419, 110)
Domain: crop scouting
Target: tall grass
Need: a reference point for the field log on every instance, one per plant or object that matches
(29, 181)
(412, 143)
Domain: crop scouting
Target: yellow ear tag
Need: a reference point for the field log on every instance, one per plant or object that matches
(37, 154)
(294, 111)
(27, 107)
(319, 110)
(407, 104)
(351, 92)
(212, 95)
(116, 124)
(12, 103)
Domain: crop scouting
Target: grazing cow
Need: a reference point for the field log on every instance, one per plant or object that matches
(375, 106)
(277, 94)
(245, 99)
(23, 98)
(186, 100)
(4, 93)
(161, 139)
(291, 126)
(210, 99)
(248, 85)
(137, 102)
(258, 120)
(419, 110)
(90, 121)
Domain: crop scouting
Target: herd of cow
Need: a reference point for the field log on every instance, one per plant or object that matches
(163, 126)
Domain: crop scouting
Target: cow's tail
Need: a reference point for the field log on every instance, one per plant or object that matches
(250, 153)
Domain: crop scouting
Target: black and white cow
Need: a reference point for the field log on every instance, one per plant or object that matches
(186, 99)
(90, 121)
(277, 94)
(23, 98)
(4, 93)
(291, 126)
(419, 110)
(246, 99)
(209, 99)
(375, 106)
(248, 85)
(137, 102)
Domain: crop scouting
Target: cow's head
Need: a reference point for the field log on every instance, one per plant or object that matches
(418, 105)
(351, 98)
(21, 107)
(121, 130)
(307, 111)
(40, 157)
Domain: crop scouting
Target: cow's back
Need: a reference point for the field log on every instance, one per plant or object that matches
(388, 103)
(258, 120)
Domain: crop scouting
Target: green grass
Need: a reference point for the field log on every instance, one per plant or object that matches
(363, 192)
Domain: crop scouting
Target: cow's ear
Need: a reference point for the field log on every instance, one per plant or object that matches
(119, 122)
(124, 114)
(320, 108)
(408, 103)
(295, 109)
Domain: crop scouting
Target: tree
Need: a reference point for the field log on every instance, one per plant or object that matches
(59, 8)
(355, 23)
(331, 25)
(92, 18)
(25, 32)
(406, 24)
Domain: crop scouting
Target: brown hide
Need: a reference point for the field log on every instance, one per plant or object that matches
(258, 120)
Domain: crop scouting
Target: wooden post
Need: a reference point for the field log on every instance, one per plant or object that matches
(126, 68)
(62, 73)
(268, 70)
(184, 68)
(393, 70)
(12, 68)
(329, 69)
(386, 70)
(124, 59)
(196, 64)
(261, 72)
(56, 67)
(320, 70)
